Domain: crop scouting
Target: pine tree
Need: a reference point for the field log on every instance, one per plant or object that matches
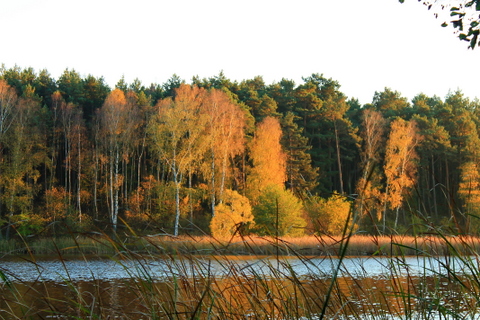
(301, 176)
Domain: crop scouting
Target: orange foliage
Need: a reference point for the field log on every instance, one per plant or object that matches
(400, 167)
(56, 204)
(269, 160)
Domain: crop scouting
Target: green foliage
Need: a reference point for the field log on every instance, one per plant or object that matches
(330, 216)
(53, 137)
(464, 17)
(301, 176)
(27, 224)
(232, 216)
(279, 213)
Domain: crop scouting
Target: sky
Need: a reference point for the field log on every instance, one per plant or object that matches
(365, 45)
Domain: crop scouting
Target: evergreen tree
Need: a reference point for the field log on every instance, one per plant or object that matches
(301, 176)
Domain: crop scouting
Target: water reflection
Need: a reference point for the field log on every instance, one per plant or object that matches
(238, 286)
(112, 269)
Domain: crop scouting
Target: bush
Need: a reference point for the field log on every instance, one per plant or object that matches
(27, 224)
(231, 216)
(276, 200)
(330, 215)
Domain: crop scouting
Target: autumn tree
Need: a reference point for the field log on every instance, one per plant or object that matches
(400, 166)
(67, 114)
(278, 213)
(268, 158)
(8, 110)
(79, 153)
(233, 215)
(68, 134)
(20, 165)
(332, 216)
(224, 133)
(177, 134)
(369, 185)
(469, 191)
(116, 130)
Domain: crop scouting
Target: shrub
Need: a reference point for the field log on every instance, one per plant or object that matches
(330, 215)
(273, 201)
(231, 215)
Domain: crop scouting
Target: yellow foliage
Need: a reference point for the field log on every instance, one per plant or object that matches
(56, 204)
(269, 160)
(330, 215)
(231, 216)
(400, 166)
(469, 191)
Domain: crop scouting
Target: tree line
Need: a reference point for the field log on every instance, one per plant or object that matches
(221, 157)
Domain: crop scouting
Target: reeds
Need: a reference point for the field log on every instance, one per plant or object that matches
(358, 245)
(204, 278)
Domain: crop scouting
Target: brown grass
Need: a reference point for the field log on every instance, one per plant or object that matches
(358, 245)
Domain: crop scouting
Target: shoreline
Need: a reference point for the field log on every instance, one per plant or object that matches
(356, 245)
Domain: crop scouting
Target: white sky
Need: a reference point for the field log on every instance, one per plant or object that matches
(366, 45)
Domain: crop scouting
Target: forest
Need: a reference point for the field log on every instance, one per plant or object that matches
(222, 157)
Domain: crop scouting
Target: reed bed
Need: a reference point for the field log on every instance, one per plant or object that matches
(358, 245)
(192, 289)
(309, 245)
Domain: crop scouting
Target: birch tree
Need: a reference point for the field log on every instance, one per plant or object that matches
(226, 138)
(400, 166)
(177, 134)
(116, 130)
(373, 128)
(19, 168)
(8, 102)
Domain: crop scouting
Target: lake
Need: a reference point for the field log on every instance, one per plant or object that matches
(238, 287)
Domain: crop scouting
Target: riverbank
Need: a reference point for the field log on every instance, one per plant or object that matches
(356, 245)
(205, 278)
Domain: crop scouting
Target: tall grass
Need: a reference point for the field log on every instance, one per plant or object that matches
(202, 280)
(358, 245)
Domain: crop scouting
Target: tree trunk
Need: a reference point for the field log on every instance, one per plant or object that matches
(177, 202)
(435, 207)
(340, 173)
(111, 190)
(396, 218)
(79, 178)
(385, 209)
(213, 183)
(116, 190)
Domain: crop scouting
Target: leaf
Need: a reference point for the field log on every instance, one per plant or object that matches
(444, 24)
(473, 24)
(458, 24)
(401, 1)
(477, 5)
(473, 42)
